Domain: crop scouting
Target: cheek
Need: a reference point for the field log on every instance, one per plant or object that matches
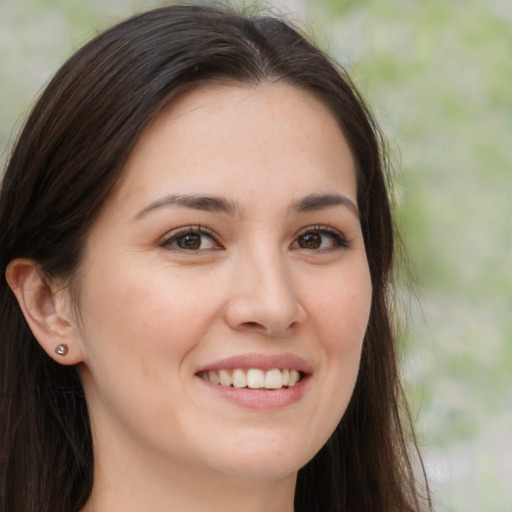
(142, 307)
(138, 327)
(129, 329)
(341, 308)
(341, 311)
(342, 333)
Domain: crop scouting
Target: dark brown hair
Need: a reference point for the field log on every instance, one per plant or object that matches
(63, 167)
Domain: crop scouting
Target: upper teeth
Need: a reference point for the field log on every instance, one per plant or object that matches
(253, 378)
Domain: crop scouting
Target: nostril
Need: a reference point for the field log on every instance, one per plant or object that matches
(252, 324)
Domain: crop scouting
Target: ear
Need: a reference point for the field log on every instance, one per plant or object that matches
(47, 310)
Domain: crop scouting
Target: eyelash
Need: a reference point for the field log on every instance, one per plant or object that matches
(189, 230)
(339, 241)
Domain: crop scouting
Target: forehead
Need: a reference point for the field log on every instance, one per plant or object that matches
(210, 138)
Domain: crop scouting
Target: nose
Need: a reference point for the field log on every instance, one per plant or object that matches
(263, 297)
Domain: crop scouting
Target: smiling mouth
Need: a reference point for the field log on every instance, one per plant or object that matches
(253, 378)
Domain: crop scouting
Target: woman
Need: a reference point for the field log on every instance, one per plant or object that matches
(198, 246)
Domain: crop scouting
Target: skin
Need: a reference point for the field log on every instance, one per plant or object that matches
(151, 312)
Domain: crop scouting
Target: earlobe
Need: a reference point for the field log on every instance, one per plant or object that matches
(47, 310)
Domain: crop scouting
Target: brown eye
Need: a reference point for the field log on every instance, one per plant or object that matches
(321, 239)
(191, 239)
(191, 242)
(310, 241)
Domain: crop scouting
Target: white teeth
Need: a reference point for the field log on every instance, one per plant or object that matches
(239, 379)
(213, 377)
(273, 379)
(225, 378)
(294, 377)
(254, 378)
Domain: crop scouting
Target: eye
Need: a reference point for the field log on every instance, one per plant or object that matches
(320, 238)
(191, 238)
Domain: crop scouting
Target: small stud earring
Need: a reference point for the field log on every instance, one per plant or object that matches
(62, 349)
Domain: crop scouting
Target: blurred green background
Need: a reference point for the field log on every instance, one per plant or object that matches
(438, 76)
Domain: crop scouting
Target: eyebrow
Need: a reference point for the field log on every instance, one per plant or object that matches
(195, 202)
(316, 202)
(310, 203)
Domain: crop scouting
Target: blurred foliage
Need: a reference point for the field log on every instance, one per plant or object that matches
(438, 75)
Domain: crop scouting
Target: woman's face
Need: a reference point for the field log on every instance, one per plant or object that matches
(230, 249)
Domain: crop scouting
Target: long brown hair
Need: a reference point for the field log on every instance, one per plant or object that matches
(63, 167)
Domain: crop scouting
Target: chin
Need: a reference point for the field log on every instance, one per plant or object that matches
(266, 458)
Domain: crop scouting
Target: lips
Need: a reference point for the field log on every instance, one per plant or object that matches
(258, 380)
(261, 361)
